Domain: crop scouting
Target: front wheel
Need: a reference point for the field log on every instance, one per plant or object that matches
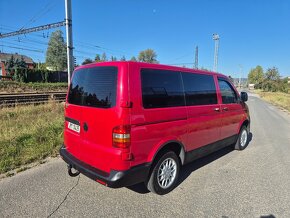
(164, 175)
(243, 139)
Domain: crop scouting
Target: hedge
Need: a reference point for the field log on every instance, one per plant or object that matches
(31, 75)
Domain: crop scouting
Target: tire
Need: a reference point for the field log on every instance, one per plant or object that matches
(168, 164)
(243, 139)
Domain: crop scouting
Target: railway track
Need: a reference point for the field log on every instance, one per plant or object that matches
(14, 99)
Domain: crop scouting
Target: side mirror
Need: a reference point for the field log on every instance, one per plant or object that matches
(244, 96)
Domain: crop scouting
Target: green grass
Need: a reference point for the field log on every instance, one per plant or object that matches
(29, 134)
(12, 86)
(277, 98)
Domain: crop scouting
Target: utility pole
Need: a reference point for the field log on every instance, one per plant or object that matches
(240, 78)
(69, 43)
(196, 58)
(216, 39)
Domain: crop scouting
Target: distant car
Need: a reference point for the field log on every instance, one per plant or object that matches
(130, 122)
(251, 86)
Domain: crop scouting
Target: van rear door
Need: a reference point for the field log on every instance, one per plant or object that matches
(92, 104)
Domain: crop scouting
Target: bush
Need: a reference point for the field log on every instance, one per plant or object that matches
(274, 85)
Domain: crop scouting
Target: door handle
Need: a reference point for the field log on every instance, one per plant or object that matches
(225, 109)
(217, 109)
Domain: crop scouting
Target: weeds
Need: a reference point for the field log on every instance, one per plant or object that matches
(29, 134)
(277, 98)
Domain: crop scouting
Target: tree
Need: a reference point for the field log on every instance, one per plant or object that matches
(41, 66)
(113, 58)
(133, 58)
(104, 57)
(87, 61)
(148, 55)
(56, 57)
(272, 74)
(256, 75)
(21, 63)
(98, 58)
(10, 63)
(123, 58)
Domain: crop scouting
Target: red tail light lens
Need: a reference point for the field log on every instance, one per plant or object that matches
(122, 136)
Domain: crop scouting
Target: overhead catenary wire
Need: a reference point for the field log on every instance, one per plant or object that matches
(23, 46)
(48, 7)
(25, 49)
(90, 46)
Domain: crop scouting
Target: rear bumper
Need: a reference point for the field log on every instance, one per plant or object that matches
(114, 179)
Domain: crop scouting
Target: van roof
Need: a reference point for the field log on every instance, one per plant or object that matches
(147, 65)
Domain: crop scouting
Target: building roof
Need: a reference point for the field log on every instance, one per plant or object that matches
(4, 57)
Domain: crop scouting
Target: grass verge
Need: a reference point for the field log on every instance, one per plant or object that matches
(29, 133)
(277, 98)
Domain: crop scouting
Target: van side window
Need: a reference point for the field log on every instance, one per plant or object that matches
(199, 89)
(229, 96)
(161, 88)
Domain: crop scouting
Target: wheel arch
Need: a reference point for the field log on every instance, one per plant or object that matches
(172, 145)
(245, 122)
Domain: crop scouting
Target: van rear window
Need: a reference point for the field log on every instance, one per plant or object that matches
(94, 87)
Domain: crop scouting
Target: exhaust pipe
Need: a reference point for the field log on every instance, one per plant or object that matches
(72, 173)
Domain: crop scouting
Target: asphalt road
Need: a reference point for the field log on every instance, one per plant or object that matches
(251, 183)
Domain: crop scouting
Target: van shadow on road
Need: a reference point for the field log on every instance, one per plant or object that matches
(191, 167)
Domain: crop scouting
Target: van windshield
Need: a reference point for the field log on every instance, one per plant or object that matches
(94, 87)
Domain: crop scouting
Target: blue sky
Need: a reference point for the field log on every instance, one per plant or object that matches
(251, 32)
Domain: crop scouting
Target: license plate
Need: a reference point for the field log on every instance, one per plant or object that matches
(74, 127)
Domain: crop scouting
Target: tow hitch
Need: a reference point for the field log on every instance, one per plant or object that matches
(72, 173)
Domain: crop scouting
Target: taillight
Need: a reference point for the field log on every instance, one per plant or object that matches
(122, 136)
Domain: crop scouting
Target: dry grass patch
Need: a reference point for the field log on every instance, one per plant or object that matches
(277, 98)
(29, 133)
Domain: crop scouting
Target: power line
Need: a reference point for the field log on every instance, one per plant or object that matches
(11, 43)
(180, 57)
(90, 45)
(26, 49)
(28, 41)
(48, 7)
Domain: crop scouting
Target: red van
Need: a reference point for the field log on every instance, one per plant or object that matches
(131, 122)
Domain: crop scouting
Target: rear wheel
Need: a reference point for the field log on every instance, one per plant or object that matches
(164, 175)
(243, 139)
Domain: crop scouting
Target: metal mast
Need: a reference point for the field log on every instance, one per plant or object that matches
(240, 77)
(216, 39)
(69, 43)
(196, 58)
